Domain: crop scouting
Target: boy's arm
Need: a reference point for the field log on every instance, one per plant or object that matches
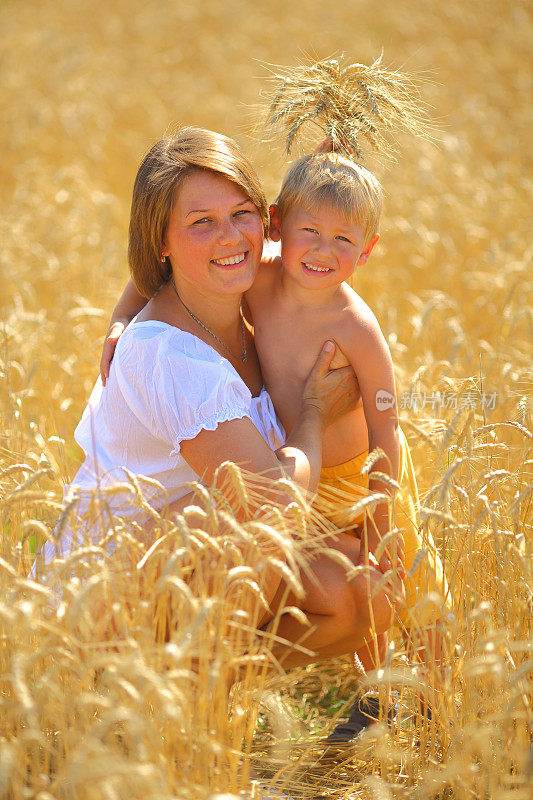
(265, 278)
(129, 304)
(365, 347)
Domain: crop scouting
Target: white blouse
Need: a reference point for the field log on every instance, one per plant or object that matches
(164, 386)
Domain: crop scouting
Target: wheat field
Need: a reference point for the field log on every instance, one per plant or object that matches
(114, 682)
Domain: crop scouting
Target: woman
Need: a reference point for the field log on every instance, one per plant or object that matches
(185, 390)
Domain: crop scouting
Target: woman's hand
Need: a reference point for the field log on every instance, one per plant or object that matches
(331, 392)
(327, 394)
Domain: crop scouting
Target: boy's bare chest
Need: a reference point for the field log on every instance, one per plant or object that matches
(288, 345)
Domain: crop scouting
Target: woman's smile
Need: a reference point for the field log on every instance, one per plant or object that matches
(231, 261)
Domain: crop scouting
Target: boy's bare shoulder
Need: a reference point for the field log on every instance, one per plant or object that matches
(267, 276)
(359, 336)
(355, 316)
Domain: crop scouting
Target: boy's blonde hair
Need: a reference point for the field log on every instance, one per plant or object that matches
(168, 162)
(334, 179)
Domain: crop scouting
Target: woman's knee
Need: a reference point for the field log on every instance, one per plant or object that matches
(352, 599)
(358, 610)
(327, 590)
(348, 544)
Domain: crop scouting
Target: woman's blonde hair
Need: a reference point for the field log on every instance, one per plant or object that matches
(168, 162)
(335, 180)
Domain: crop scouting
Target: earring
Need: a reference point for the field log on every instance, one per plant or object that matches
(163, 259)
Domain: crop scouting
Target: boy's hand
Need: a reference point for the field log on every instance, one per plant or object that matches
(390, 561)
(392, 557)
(128, 306)
(325, 146)
(113, 335)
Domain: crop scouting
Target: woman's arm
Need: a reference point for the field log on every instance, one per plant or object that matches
(129, 304)
(327, 394)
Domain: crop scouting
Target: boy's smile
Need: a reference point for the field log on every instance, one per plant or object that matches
(317, 268)
(320, 248)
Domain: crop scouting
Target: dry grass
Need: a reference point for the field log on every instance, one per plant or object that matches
(96, 705)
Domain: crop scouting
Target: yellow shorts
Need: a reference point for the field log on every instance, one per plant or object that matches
(343, 485)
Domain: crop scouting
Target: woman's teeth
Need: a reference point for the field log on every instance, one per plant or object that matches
(225, 262)
(316, 269)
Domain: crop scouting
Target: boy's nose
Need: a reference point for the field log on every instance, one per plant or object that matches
(322, 247)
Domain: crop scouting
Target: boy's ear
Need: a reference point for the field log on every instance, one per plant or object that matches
(275, 224)
(363, 258)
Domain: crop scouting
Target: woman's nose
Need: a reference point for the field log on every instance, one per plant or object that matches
(228, 232)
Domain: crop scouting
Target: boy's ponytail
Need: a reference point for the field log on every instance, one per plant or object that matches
(348, 103)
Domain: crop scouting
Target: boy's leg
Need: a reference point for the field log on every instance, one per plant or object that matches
(365, 710)
(421, 619)
(425, 581)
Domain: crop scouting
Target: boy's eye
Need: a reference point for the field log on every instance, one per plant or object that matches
(310, 230)
(344, 239)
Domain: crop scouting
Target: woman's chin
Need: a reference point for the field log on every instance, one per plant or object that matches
(232, 281)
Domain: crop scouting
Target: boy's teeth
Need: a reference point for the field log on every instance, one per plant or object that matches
(230, 260)
(317, 269)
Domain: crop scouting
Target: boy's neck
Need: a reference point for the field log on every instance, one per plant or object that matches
(301, 296)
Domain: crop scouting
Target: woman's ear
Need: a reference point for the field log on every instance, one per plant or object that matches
(275, 224)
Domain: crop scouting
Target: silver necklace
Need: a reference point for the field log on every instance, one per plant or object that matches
(199, 321)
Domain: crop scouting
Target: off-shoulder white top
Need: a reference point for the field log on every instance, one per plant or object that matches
(164, 386)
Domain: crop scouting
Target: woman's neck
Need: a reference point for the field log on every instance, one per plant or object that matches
(220, 313)
(191, 306)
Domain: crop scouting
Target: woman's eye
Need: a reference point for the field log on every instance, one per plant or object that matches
(242, 211)
(199, 221)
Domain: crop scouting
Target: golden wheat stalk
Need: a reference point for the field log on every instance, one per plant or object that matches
(347, 102)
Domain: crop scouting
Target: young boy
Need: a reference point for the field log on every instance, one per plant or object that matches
(326, 217)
